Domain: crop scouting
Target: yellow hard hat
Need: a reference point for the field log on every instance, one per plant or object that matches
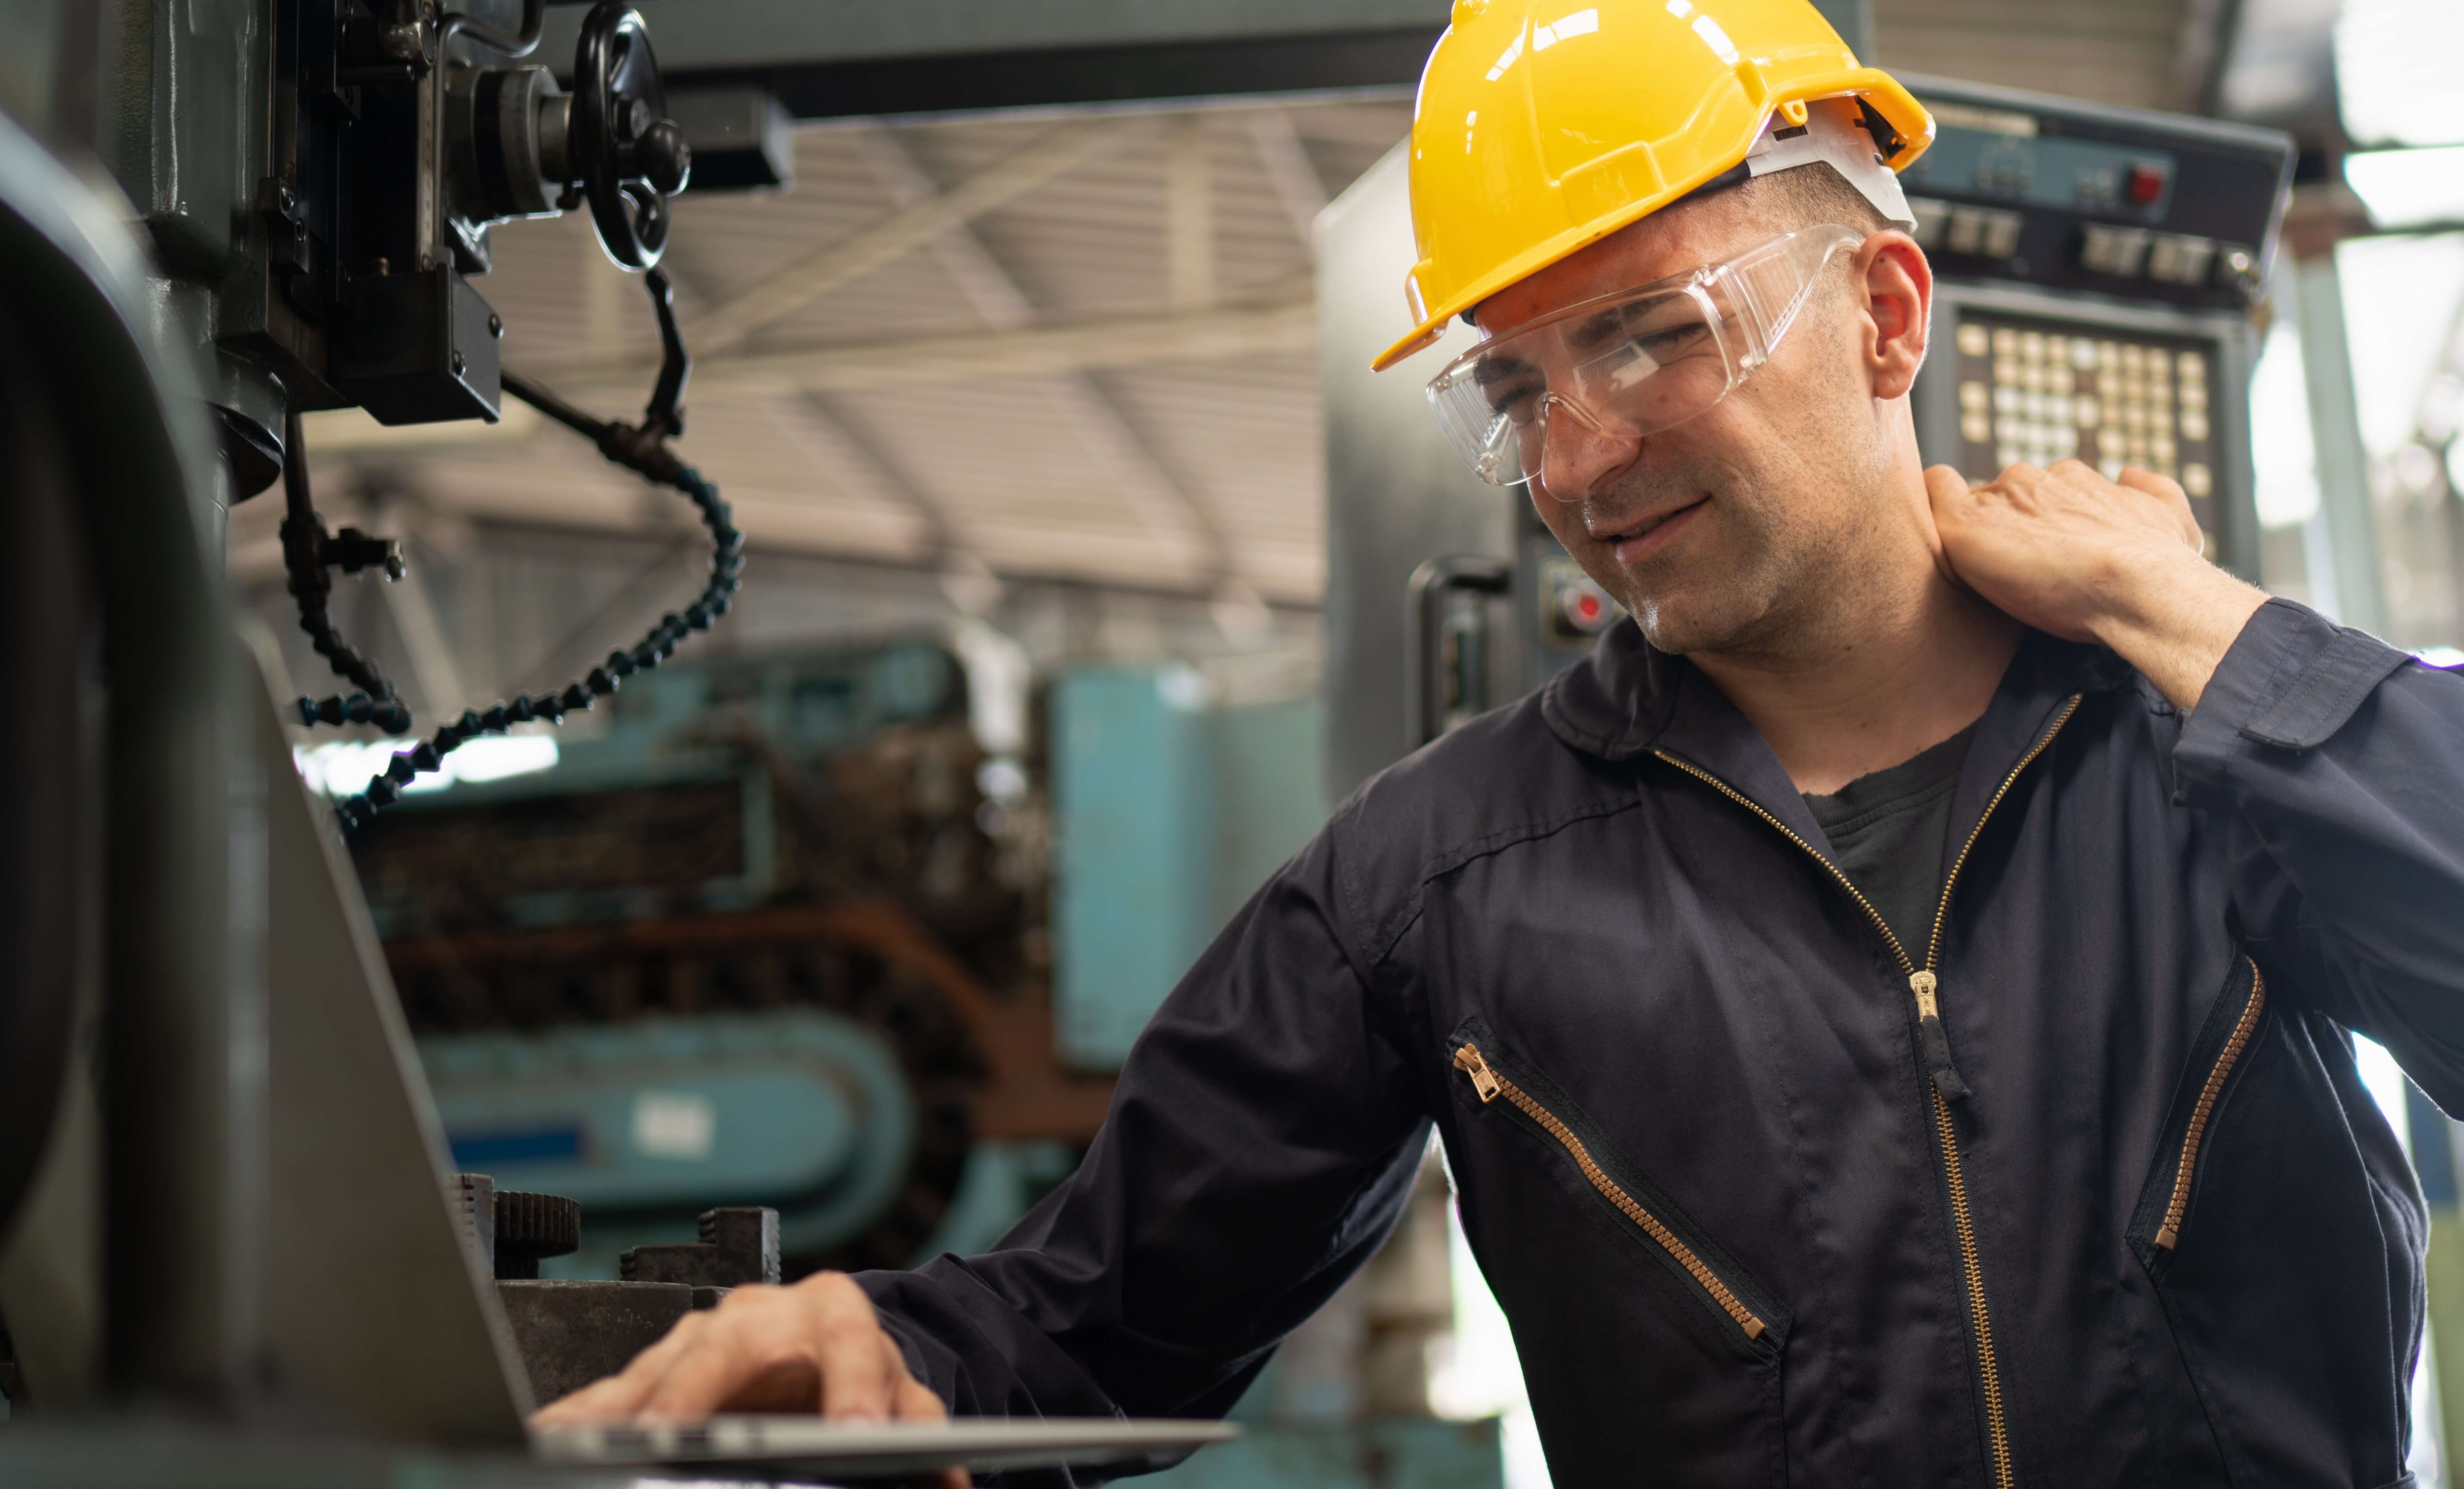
(1544, 125)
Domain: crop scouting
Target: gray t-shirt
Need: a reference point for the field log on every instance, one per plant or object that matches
(1887, 831)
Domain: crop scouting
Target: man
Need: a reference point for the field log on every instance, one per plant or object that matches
(1885, 1010)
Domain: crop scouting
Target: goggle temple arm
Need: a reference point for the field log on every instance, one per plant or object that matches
(1762, 291)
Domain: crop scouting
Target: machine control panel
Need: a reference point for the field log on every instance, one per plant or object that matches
(2021, 375)
(2078, 196)
(2040, 389)
(1574, 610)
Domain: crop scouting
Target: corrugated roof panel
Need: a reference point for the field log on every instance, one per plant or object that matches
(2103, 50)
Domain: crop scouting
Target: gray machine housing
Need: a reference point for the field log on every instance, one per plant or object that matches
(2092, 224)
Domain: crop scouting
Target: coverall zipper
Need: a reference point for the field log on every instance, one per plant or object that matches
(1941, 1077)
(1489, 1085)
(2169, 1234)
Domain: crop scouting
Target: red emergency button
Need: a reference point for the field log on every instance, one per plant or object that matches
(2146, 184)
(1574, 608)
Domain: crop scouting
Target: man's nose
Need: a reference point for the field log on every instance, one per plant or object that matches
(1576, 453)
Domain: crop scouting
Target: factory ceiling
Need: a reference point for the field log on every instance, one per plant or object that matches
(1057, 346)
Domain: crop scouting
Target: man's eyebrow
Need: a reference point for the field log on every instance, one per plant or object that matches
(1497, 369)
(1607, 325)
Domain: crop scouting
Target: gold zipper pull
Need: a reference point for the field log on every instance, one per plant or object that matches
(1484, 1080)
(1936, 1038)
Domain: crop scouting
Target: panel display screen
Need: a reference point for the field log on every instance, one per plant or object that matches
(2039, 389)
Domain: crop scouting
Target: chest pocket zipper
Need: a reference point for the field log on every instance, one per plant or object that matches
(2169, 1234)
(1491, 1085)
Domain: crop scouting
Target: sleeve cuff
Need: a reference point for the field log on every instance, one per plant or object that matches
(2290, 680)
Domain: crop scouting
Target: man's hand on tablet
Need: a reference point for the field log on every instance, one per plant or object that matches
(815, 1346)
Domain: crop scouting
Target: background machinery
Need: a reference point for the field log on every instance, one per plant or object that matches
(764, 939)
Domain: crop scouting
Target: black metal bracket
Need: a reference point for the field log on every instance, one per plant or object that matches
(308, 552)
(351, 551)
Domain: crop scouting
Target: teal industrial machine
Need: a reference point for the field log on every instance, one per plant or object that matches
(761, 940)
(1172, 807)
(683, 965)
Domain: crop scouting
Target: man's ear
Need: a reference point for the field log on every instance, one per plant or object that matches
(1898, 298)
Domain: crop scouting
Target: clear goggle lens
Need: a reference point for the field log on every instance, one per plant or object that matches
(1630, 364)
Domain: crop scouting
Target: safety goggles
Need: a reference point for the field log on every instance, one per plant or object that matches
(1630, 364)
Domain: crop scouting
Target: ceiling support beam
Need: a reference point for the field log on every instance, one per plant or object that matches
(1288, 170)
(1282, 327)
(435, 671)
(967, 580)
(633, 606)
(988, 287)
(1188, 216)
(788, 289)
(1172, 513)
(879, 469)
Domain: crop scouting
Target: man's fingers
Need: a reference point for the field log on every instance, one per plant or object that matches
(860, 1368)
(753, 1336)
(1943, 484)
(2169, 492)
(917, 1404)
(596, 1402)
(816, 1346)
(622, 1395)
(1946, 489)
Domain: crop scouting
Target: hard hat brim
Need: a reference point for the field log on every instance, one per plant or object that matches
(1878, 89)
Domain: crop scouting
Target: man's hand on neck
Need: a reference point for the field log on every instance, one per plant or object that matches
(1901, 666)
(1916, 657)
(2069, 551)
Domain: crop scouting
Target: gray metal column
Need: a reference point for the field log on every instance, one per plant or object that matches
(1396, 494)
(182, 1048)
(1853, 21)
(2336, 432)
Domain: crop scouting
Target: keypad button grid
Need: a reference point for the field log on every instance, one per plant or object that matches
(2039, 391)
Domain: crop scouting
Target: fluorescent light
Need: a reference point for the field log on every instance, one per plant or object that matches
(2287, 462)
(344, 767)
(2409, 188)
(2400, 289)
(497, 756)
(2395, 70)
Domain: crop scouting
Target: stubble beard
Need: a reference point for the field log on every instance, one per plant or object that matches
(1726, 586)
(1803, 532)
(1788, 569)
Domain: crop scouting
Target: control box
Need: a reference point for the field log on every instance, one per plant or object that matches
(2095, 268)
(2081, 196)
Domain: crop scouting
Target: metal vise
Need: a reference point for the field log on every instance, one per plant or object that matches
(571, 1333)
